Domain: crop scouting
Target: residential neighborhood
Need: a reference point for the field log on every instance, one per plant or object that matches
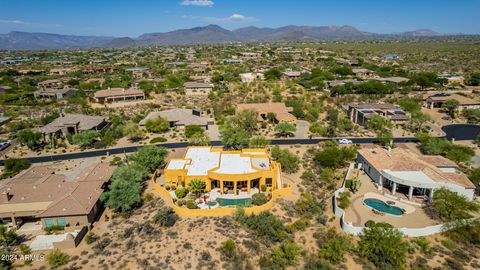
(202, 134)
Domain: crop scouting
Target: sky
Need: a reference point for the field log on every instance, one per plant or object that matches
(134, 17)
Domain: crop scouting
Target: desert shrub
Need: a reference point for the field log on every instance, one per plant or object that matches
(228, 248)
(158, 140)
(165, 217)
(191, 204)
(384, 246)
(290, 162)
(281, 257)
(90, 237)
(298, 225)
(265, 225)
(12, 166)
(259, 199)
(307, 206)
(57, 258)
(344, 200)
(53, 229)
(333, 246)
(181, 192)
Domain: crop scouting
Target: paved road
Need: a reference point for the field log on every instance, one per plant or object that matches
(459, 132)
(130, 149)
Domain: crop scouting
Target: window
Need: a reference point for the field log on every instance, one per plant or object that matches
(62, 221)
(49, 222)
(268, 182)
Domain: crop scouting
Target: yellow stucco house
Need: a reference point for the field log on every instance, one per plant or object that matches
(229, 171)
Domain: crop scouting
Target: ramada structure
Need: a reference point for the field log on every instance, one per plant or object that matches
(417, 175)
(229, 171)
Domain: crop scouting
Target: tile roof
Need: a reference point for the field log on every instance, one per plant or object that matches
(405, 160)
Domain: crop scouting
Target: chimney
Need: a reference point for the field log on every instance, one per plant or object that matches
(6, 196)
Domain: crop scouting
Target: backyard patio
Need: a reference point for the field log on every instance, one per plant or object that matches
(358, 213)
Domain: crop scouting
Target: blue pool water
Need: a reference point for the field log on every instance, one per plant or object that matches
(382, 206)
(234, 202)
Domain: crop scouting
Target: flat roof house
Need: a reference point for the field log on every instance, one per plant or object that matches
(180, 118)
(282, 112)
(359, 113)
(250, 77)
(229, 171)
(54, 93)
(72, 124)
(436, 100)
(197, 88)
(364, 73)
(118, 95)
(291, 75)
(417, 175)
(40, 194)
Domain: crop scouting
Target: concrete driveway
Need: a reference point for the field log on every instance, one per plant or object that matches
(302, 129)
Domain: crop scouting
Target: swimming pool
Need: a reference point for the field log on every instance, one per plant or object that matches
(384, 207)
(234, 202)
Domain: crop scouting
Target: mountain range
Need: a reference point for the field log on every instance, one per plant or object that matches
(210, 34)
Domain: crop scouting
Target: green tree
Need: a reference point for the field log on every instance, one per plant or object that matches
(258, 142)
(377, 122)
(281, 257)
(157, 125)
(196, 186)
(8, 237)
(150, 157)
(448, 206)
(133, 132)
(285, 129)
(289, 161)
(122, 195)
(273, 74)
(85, 138)
(333, 246)
(234, 137)
(12, 166)
(57, 258)
(192, 130)
(29, 138)
(474, 79)
(385, 138)
(246, 120)
(472, 115)
(332, 156)
(384, 246)
(451, 107)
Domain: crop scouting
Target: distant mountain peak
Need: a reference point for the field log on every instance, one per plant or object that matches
(208, 34)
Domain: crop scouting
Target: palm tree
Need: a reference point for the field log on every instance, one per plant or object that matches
(196, 186)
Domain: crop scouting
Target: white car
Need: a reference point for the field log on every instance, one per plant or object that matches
(345, 141)
(4, 145)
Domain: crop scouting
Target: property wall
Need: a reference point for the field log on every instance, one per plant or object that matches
(357, 230)
(185, 212)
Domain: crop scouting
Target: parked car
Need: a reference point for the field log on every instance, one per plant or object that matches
(4, 145)
(345, 141)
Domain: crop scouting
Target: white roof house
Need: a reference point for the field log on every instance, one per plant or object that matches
(198, 161)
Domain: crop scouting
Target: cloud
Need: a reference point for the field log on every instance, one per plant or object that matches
(14, 22)
(28, 24)
(198, 3)
(234, 18)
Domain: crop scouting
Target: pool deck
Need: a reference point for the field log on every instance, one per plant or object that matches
(358, 213)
